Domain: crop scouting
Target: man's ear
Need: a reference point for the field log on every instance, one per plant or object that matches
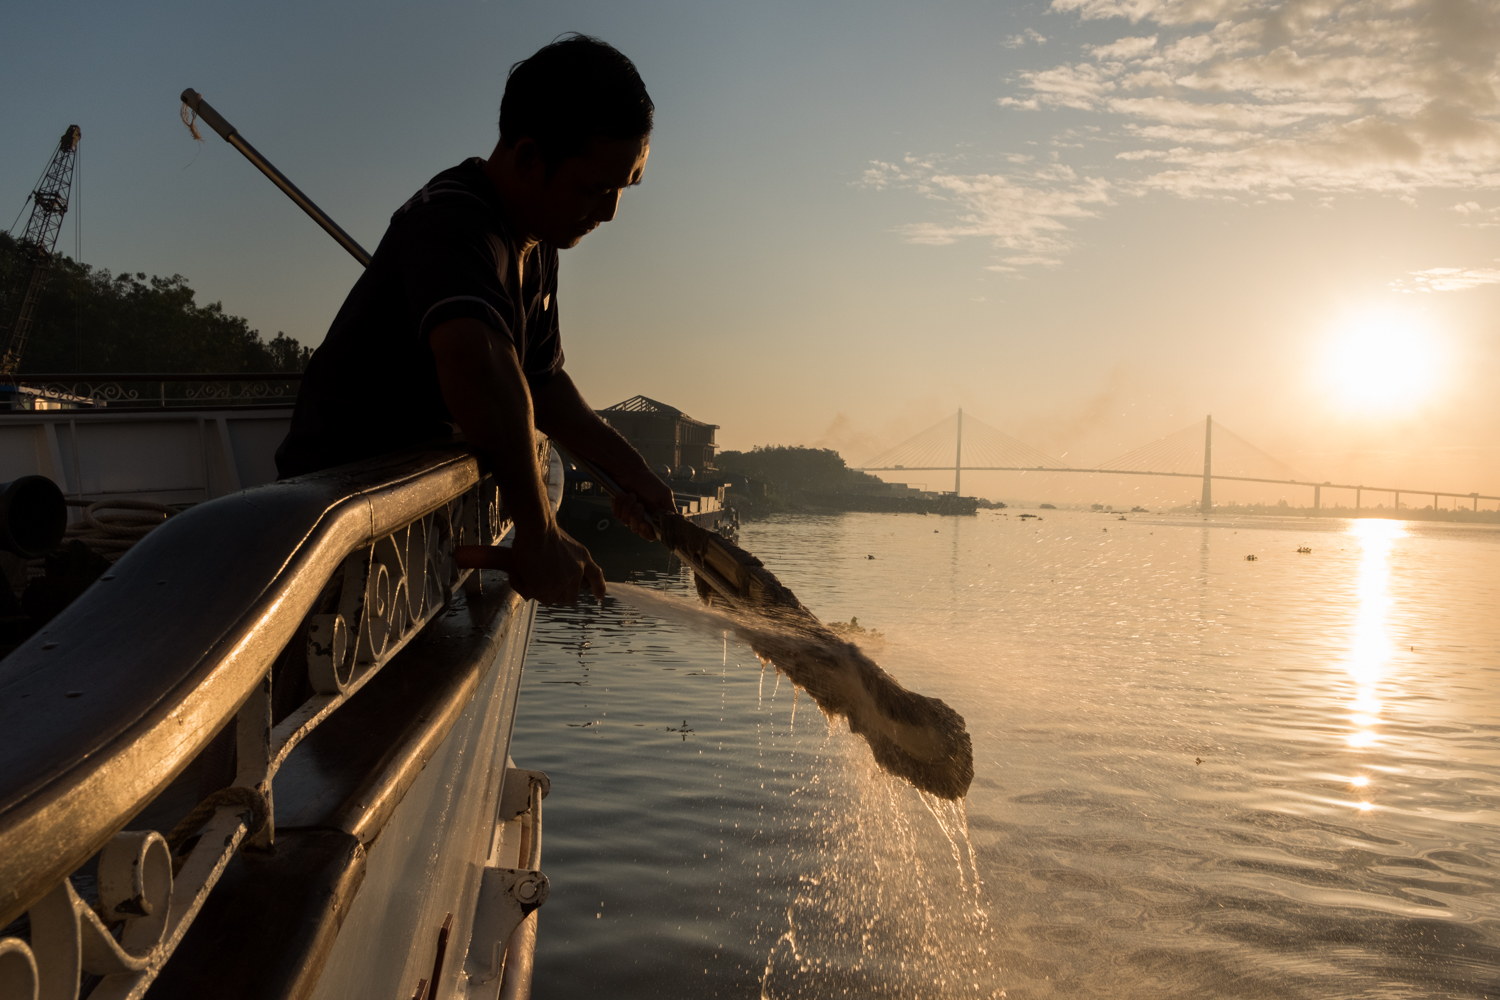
(527, 156)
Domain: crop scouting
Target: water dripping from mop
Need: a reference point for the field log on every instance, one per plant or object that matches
(917, 738)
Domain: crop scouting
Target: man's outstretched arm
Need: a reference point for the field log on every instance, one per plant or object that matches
(562, 415)
(486, 392)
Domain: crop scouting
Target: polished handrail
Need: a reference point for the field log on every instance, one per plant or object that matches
(112, 699)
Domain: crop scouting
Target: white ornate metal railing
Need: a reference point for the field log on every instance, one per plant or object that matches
(148, 390)
(380, 551)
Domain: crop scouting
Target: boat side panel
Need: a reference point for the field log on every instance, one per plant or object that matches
(182, 456)
(253, 443)
(425, 863)
(163, 456)
(268, 928)
(24, 451)
(355, 768)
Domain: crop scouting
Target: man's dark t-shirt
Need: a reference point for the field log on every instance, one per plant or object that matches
(372, 386)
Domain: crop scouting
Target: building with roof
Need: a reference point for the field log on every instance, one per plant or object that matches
(663, 434)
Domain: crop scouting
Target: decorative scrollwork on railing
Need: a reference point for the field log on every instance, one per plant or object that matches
(165, 391)
(103, 392)
(119, 938)
(226, 391)
(380, 599)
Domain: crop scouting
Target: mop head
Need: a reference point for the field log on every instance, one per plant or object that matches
(912, 736)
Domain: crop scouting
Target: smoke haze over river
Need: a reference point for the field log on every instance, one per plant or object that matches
(1196, 775)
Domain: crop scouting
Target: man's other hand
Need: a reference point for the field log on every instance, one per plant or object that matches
(641, 494)
(550, 567)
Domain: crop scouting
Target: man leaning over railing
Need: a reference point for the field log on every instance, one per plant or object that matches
(456, 318)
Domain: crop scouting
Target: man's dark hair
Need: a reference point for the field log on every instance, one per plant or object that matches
(571, 92)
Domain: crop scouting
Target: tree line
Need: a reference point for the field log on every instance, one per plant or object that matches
(821, 470)
(90, 320)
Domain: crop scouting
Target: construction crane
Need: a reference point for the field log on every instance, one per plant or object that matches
(49, 203)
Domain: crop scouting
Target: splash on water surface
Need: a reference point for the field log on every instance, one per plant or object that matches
(1195, 776)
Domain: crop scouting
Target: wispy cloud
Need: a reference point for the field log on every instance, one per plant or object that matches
(1448, 279)
(1476, 216)
(1026, 215)
(1259, 98)
(1028, 37)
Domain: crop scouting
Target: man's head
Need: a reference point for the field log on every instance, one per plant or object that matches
(575, 130)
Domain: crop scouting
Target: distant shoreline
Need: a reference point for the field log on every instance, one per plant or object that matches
(1270, 510)
(1388, 513)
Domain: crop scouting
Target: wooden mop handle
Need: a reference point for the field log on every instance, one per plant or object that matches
(603, 478)
(194, 102)
(707, 572)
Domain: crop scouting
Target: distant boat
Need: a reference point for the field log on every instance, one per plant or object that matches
(586, 513)
(681, 450)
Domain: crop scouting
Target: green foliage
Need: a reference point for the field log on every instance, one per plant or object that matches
(791, 468)
(94, 321)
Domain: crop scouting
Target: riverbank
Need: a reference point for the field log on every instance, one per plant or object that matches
(1459, 516)
(796, 501)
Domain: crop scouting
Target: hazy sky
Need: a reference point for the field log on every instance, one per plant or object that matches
(1088, 223)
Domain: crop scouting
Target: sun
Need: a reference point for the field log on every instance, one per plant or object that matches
(1386, 360)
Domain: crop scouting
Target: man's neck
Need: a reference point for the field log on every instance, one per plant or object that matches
(501, 174)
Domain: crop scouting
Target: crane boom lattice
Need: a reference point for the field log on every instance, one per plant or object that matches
(49, 203)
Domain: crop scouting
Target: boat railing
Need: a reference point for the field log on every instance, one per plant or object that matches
(147, 390)
(109, 702)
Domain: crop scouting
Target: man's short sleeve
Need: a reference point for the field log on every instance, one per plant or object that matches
(451, 269)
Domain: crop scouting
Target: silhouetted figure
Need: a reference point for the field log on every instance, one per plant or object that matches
(455, 321)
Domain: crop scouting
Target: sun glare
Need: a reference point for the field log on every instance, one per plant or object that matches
(1383, 360)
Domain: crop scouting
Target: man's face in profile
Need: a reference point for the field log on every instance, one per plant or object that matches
(584, 191)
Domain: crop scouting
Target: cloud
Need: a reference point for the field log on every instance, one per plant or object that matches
(1027, 216)
(1124, 48)
(1028, 37)
(1448, 279)
(1476, 216)
(1256, 98)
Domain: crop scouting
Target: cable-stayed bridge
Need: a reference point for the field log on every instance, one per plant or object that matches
(1202, 450)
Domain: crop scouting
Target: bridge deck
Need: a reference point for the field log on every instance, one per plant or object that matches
(1179, 475)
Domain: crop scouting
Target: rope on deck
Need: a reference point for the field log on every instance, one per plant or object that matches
(112, 534)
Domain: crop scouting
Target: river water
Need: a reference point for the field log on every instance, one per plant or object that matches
(1197, 775)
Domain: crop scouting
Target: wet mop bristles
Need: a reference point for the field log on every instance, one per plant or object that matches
(918, 738)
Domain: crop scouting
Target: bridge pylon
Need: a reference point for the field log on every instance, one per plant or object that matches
(958, 457)
(1206, 505)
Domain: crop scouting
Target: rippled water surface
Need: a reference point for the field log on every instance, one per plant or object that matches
(1196, 775)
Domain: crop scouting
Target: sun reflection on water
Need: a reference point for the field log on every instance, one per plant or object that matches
(1371, 648)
